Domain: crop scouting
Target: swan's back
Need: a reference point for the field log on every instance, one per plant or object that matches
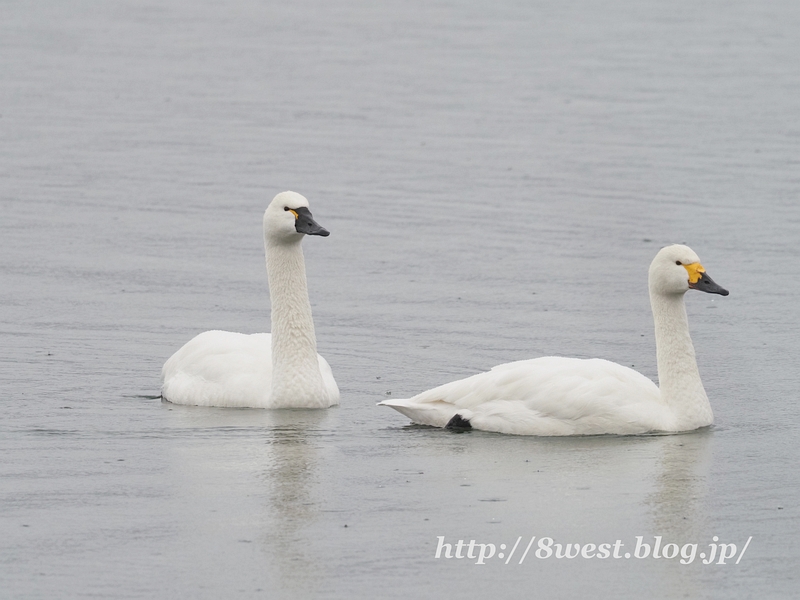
(546, 396)
(226, 369)
(220, 368)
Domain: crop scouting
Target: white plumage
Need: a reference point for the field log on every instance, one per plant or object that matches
(262, 370)
(567, 396)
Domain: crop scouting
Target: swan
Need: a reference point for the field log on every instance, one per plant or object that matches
(281, 370)
(558, 396)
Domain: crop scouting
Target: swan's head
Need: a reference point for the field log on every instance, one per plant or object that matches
(677, 269)
(287, 218)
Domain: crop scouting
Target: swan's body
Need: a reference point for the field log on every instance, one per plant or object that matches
(262, 370)
(569, 396)
(223, 368)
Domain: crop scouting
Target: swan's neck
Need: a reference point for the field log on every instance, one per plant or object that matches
(679, 378)
(296, 378)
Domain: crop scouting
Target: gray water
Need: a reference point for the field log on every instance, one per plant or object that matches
(497, 177)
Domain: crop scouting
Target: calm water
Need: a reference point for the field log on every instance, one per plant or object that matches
(496, 178)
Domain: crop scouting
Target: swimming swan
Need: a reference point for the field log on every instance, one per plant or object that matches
(282, 370)
(570, 396)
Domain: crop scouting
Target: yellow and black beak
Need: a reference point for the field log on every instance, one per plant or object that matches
(305, 223)
(699, 280)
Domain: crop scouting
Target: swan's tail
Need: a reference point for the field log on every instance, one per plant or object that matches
(436, 414)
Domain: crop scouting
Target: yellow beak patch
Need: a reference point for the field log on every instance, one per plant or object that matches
(695, 270)
(296, 216)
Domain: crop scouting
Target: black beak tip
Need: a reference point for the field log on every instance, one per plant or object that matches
(709, 286)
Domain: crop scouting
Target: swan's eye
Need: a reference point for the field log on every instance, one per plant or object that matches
(285, 208)
(677, 262)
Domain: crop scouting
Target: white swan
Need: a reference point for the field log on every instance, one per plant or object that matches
(570, 396)
(282, 370)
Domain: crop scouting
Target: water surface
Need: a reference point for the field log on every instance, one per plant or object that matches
(496, 178)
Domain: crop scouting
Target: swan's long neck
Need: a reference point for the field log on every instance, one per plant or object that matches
(296, 378)
(679, 378)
